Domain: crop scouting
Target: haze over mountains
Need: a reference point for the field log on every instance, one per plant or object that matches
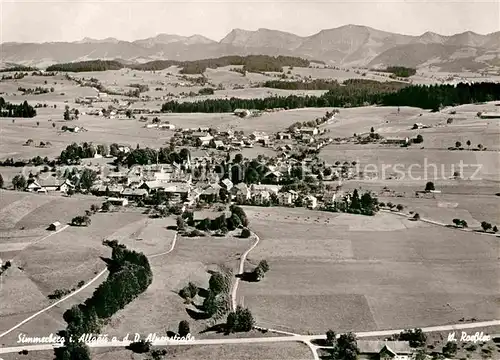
(350, 45)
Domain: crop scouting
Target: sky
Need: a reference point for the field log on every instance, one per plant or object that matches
(43, 21)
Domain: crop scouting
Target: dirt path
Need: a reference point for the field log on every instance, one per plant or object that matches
(243, 258)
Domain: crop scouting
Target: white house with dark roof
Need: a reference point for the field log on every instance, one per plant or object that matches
(384, 350)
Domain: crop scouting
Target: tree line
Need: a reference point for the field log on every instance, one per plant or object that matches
(355, 93)
(87, 66)
(252, 63)
(23, 110)
(18, 68)
(401, 71)
(129, 275)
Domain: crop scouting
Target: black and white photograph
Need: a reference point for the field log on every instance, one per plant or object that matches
(249, 180)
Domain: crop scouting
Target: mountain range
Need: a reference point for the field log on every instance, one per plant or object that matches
(349, 45)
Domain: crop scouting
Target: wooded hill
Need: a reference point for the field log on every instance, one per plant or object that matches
(354, 93)
(252, 63)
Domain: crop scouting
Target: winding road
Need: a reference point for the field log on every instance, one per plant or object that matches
(272, 339)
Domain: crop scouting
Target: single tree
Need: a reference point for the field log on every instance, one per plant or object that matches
(486, 225)
(216, 283)
(19, 182)
(450, 349)
(245, 233)
(183, 328)
(458, 144)
(494, 229)
(331, 337)
(429, 186)
(263, 265)
(1, 181)
(181, 225)
(468, 143)
(480, 146)
(53, 125)
(400, 207)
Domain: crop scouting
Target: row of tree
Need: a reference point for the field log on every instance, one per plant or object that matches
(354, 93)
(74, 152)
(23, 110)
(87, 66)
(251, 63)
(147, 156)
(130, 275)
(366, 204)
(401, 71)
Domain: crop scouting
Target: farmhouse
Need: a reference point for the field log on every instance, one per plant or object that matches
(490, 115)
(309, 131)
(178, 191)
(211, 193)
(285, 198)
(204, 140)
(134, 194)
(397, 141)
(385, 350)
(167, 126)
(117, 201)
(283, 136)
(218, 144)
(227, 184)
(270, 188)
(241, 193)
(56, 225)
(311, 201)
(261, 197)
(242, 112)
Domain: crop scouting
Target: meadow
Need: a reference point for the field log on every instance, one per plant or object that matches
(160, 308)
(343, 271)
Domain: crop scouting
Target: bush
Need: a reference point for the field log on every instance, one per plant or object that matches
(183, 328)
(140, 347)
(450, 349)
(240, 320)
(245, 233)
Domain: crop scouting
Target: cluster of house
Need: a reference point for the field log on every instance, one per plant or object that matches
(222, 140)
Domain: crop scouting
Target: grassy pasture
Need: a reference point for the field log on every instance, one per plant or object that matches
(160, 308)
(59, 262)
(345, 272)
(413, 164)
(275, 351)
(444, 208)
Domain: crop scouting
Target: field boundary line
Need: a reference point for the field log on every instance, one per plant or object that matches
(75, 292)
(243, 258)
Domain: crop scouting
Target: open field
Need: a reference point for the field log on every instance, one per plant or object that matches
(389, 123)
(278, 351)
(413, 164)
(160, 308)
(446, 207)
(43, 264)
(341, 271)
